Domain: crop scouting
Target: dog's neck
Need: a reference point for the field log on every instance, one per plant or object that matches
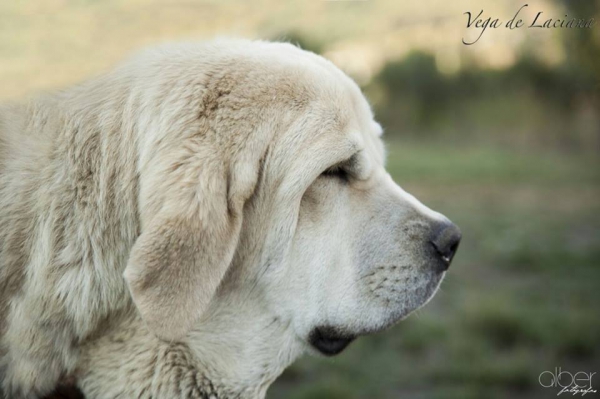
(237, 351)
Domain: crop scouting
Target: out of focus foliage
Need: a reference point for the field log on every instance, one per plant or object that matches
(529, 103)
(582, 48)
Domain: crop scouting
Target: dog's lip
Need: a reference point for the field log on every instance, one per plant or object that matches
(329, 340)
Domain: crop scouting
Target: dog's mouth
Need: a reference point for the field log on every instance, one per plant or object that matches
(329, 341)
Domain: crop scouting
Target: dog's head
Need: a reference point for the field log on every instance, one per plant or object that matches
(262, 178)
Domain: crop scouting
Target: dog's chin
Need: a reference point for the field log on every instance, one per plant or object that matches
(329, 341)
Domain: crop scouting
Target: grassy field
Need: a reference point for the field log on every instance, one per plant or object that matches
(521, 297)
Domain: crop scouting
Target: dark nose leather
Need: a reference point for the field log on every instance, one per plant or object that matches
(445, 240)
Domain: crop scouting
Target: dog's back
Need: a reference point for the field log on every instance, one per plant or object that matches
(59, 178)
(12, 121)
(14, 219)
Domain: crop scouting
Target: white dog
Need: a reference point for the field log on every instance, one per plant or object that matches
(188, 224)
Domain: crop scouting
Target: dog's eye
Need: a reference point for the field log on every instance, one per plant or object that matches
(343, 170)
(337, 172)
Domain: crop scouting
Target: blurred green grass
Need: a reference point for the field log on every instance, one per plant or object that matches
(522, 294)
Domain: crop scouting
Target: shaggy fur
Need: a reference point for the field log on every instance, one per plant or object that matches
(167, 230)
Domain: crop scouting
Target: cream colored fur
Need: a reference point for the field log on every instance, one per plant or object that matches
(166, 230)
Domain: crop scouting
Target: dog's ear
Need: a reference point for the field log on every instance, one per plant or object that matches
(186, 247)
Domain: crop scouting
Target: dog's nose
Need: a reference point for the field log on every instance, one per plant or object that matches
(445, 241)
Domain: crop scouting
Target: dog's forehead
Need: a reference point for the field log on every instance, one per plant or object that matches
(366, 130)
(372, 149)
(341, 101)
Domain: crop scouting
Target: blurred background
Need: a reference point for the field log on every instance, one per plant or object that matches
(503, 136)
